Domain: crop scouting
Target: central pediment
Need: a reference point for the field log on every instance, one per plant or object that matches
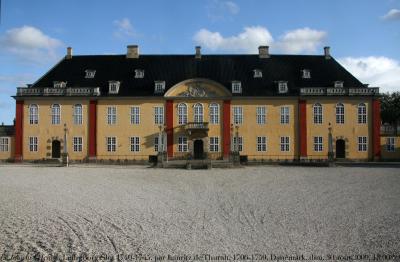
(198, 88)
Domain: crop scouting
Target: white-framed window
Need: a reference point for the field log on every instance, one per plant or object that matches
(285, 115)
(318, 144)
(257, 73)
(55, 114)
(339, 113)
(33, 114)
(390, 144)
(306, 73)
(338, 84)
(90, 73)
(285, 143)
(362, 113)
(261, 115)
(317, 109)
(282, 87)
(214, 113)
(237, 115)
(214, 144)
(111, 115)
(113, 87)
(182, 144)
(135, 143)
(4, 144)
(237, 143)
(182, 114)
(59, 84)
(198, 113)
(159, 87)
(261, 143)
(362, 143)
(33, 144)
(159, 115)
(77, 143)
(111, 144)
(236, 87)
(139, 73)
(78, 118)
(135, 115)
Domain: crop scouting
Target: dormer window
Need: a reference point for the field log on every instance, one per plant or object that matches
(282, 87)
(236, 87)
(90, 73)
(113, 87)
(257, 73)
(338, 83)
(159, 87)
(306, 73)
(139, 73)
(59, 84)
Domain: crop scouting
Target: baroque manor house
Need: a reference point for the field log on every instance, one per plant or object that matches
(133, 107)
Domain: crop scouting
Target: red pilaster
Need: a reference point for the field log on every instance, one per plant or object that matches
(226, 129)
(92, 128)
(19, 118)
(169, 113)
(376, 128)
(303, 128)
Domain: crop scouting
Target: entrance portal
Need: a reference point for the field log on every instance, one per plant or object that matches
(340, 148)
(198, 149)
(55, 149)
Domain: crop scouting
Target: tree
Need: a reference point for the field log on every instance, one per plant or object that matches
(390, 109)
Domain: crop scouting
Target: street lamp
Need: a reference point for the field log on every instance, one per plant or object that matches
(330, 144)
(65, 145)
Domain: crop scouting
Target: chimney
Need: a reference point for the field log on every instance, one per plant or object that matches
(132, 51)
(327, 52)
(263, 51)
(198, 52)
(69, 53)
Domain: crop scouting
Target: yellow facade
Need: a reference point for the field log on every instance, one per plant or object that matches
(387, 153)
(8, 154)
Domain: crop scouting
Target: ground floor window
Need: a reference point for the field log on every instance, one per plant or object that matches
(362, 143)
(135, 144)
(237, 143)
(111, 144)
(182, 144)
(77, 144)
(285, 143)
(318, 144)
(214, 144)
(390, 144)
(33, 144)
(4, 142)
(261, 143)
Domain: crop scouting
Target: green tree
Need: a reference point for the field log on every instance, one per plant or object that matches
(390, 109)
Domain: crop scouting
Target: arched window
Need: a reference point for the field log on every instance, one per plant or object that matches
(339, 113)
(198, 113)
(317, 108)
(182, 113)
(55, 114)
(362, 113)
(214, 113)
(33, 114)
(78, 114)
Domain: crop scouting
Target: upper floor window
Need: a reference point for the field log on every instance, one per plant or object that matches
(261, 115)
(113, 87)
(317, 108)
(159, 115)
(339, 113)
(111, 115)
(198, 113)
(362, 113)
(214, 113)
(285, 115)
(236, 87)
(78, 114)
(59, 84)
(4, 144)
(305, 73)
(55, 114)
(257, 73)
(90, 73)
(338, 84)
(135, 115)
(282, 87)
(139, 73)
(159, 87)
(237, 115)
(33, 114)
(182, 113)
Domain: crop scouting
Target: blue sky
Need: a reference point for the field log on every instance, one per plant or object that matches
(364, 35)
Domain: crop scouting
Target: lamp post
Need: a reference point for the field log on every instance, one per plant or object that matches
(330, 144)
(65, 145)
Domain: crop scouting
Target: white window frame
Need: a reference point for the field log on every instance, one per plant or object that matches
(390, 144)
(285, 143)
(135, 143)
(198, 113)
(362, 113)
(77, 143)
(362, 143)
(89, 73)
(261, 144)
(340, 110)
(318, 113)
(182, 114)
(239, 144)
(257, 73)
(282, 87)
(338, 84)
(139, 73)
(306, 74)
(59, 84)
(55, 114)
(78, 114)
(261, 115)
(159, 87)
(183, 144)
(214, 144)
(111, 144)
(156, 143)
(4, 144)
(318, 143)
(33, 143)
(113, 87)
(135, 115)
(214, 113)
(285, 115)
(111, 115)
(236, 87)
(237, 115)
(33, 114)
(159, 115)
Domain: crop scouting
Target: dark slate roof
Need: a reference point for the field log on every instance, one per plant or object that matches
(221, 68)
(6, 130)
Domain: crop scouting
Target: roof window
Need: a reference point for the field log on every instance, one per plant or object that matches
(257, 73)
(306, 73)
(159, 87)
(139, 73)
(236, 87)
(113, 87)
(90, 73)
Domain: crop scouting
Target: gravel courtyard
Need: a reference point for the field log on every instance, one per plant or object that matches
(252, 210)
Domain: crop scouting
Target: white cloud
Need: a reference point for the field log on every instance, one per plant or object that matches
(124, 28)
(29, 44)
(393, 14)
(296, 41)
(378, 71)
(218, 10)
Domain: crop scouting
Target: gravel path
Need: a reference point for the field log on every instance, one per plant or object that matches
(138, 210)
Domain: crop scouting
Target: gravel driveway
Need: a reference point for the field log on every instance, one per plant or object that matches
(276, 211)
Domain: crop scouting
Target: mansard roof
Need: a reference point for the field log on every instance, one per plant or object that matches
(220, 68)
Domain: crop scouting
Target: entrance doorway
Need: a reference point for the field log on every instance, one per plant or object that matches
(55, 149)
(340, 148)
(198, 149)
